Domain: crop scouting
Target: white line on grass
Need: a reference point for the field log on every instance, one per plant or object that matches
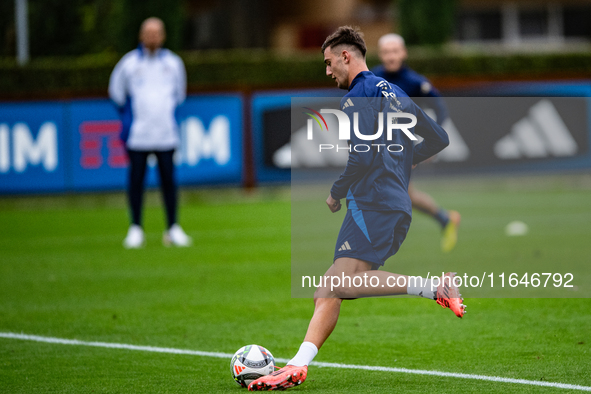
(62, 341)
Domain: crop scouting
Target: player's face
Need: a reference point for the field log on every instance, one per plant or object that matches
(392, 54)
(336, 68)
(152, 35)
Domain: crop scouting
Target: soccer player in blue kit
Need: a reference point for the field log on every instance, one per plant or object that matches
(375, 185)
(392, 52)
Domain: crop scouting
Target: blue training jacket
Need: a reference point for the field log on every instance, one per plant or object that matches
(378, 179)
(147, 89)
(415, 85)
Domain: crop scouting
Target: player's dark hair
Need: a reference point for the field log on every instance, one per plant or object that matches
(346, 35)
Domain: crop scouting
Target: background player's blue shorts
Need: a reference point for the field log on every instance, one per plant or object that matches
(372, 236)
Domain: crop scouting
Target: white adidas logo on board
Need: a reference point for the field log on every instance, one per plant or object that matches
(542, 133)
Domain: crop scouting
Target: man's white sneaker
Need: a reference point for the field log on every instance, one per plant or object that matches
(176, 236)
(135, 237)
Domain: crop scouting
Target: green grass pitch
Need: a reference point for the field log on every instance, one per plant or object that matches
(64, 273)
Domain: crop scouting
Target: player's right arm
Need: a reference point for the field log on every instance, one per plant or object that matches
(118, 84)
(333, 205)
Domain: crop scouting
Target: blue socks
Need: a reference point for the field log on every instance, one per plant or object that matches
(442, 217)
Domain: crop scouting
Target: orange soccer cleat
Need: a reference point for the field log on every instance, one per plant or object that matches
(287, 377)
(448, 295)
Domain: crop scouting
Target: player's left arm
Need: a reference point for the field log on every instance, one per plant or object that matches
(428, 90)
(435, 139)
(359, 162)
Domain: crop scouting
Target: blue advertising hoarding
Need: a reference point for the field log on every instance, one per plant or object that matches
(271, 126)
(474, 144)
(75, 146)
(211, 129)
(566, 110)
(33, 137)
(98, 158)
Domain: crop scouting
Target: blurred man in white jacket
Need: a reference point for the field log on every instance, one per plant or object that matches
(147, 85)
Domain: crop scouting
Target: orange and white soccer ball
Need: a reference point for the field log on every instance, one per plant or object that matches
(250, 363)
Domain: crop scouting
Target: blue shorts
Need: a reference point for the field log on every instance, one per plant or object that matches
(372, 236)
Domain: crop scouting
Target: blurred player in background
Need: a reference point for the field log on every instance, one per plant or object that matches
(392, 52)
(147, 85)
(375, 186)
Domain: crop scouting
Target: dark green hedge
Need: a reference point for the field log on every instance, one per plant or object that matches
(244, 70)
(518, 65)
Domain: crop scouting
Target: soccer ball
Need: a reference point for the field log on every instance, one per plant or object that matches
(250, 363)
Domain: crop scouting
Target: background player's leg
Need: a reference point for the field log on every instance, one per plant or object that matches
(135, 190)
(449, 220)
(426, 204)
(174, 235)
(168, 185)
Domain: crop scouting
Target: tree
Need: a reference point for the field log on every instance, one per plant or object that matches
(134, 12)
(55, 27)
(77, 27)
(7, 32)
(426, 22)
